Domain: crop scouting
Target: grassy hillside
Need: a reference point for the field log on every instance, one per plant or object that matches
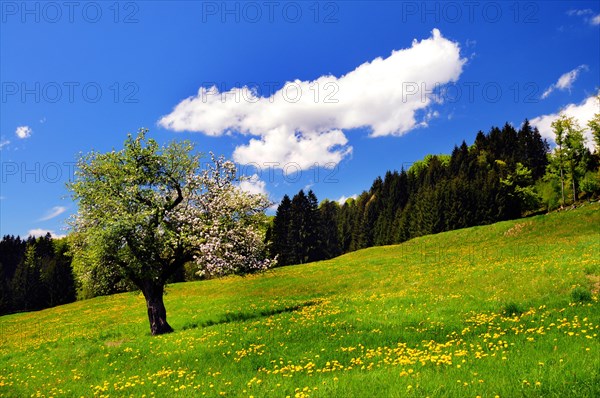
(501, 310)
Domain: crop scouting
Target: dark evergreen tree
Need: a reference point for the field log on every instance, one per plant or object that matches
(359, 232)
(313, 241)
(533, 150)
(4, 293)
(329, 217)
(281, 243)
(58, 278)
(26, 287)
(12, 251)
(347, 219)
(300, 208)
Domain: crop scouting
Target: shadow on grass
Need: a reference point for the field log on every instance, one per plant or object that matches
(244, 316)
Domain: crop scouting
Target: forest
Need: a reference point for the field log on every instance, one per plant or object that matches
(505, 174)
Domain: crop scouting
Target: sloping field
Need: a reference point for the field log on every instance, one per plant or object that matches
(507, 310)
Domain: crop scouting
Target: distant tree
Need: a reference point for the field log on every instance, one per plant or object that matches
(4, 292)
(314, 227)
(281, 245)
(574, 146)
(26, 287)
(360, 234)
(330, 244)
(590, 183)
(520, 186)
(346, 220)
(304, 228)
(57, 276)
(559, 158)
(146, 210)
(533, 150)
(12, 250)
(298, 229)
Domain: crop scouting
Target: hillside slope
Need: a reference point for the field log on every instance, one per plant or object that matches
(501, 310)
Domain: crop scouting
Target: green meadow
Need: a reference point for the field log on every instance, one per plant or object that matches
(505, 310)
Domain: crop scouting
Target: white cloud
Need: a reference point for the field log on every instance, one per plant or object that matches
(579, 13)
(565, 82)
(254, 185)
(343, 199)
(385, 95)
(23, 132)
(582, 112)
(54, 212)
(4, 143)
(595, 20)
(37, 232)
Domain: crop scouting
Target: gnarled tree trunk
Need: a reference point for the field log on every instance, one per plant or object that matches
(157, 314)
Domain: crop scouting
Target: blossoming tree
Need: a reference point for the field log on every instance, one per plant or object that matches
(146, 210)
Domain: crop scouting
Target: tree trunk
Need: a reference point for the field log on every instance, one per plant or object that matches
(157, 314)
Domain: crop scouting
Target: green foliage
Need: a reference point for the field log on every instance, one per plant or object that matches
(521, 183)
(594, 125)
(570, 156)
(590, 183)
(548, 190)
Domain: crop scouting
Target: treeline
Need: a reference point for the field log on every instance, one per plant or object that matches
(505, 174)
(35, 273)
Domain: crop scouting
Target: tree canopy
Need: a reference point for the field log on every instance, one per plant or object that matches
(146, 210)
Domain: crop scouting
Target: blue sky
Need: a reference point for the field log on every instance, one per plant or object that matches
(355, 88)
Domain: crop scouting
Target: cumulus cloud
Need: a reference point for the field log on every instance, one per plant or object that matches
(304, 121)
(23, 132)
(565, 82)
(254, 185)
(37, 232)
(595, 20)
(54, 212)
(582, 112)
(3, 143)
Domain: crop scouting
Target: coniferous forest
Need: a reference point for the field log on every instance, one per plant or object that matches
(35, 273)
(505, 174)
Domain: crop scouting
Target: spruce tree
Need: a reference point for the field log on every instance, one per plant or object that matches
(313, 240)
(281, 240)
(298, 229)
(330, 243)
(26, 287)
